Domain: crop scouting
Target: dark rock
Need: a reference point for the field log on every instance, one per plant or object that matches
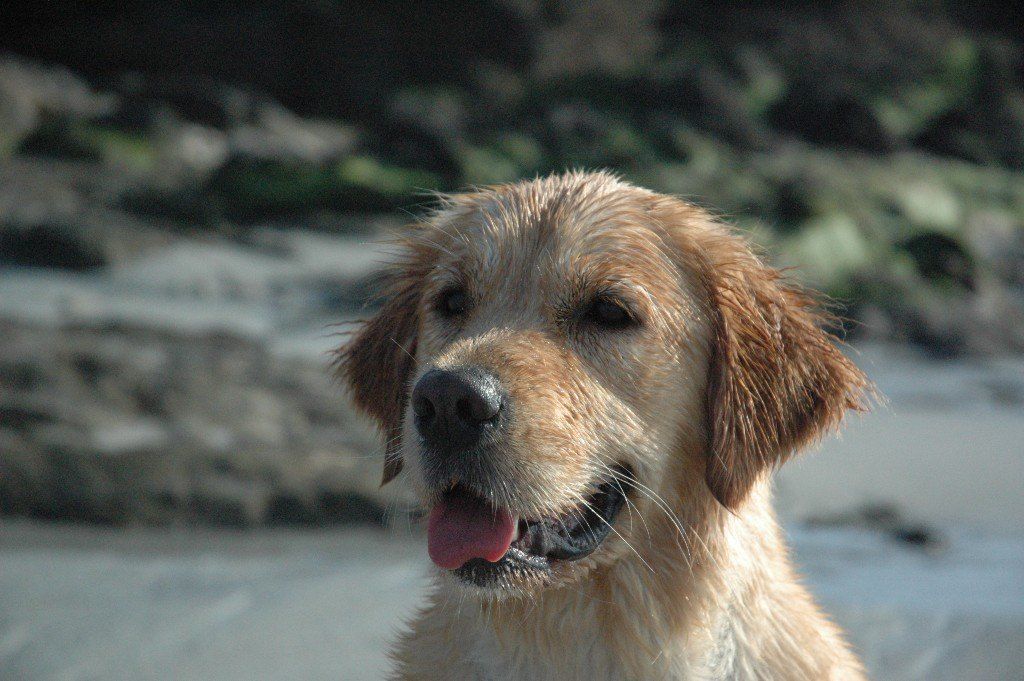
(790, 206)
(88, 367)
(881, 515)
(194, 97)
(841, 120)
(997, 135)
(19, 375)
(919, 537)
(23, 418)
(413, 146)
(248, 189)
(940, 258)
(229, 502)
(876, 516)
(350, 508)
(59, 138)
(290, 509)
(887, 519)
(56, 246)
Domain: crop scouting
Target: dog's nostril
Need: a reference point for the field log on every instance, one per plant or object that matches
(478, 407)
(423, 408)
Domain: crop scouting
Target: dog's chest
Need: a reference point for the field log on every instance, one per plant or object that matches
(581, 659)
(581, 654)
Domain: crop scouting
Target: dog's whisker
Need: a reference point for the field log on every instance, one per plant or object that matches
(610, 527)
(659, 502)
(400, 347)
(618, 479)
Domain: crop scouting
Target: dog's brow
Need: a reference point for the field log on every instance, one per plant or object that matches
(448, 272)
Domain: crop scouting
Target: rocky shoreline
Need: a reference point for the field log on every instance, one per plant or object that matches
(179, 230)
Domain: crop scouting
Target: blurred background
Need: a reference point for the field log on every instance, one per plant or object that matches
(192, 196)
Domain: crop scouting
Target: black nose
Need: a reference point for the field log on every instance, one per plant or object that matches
(455, 408)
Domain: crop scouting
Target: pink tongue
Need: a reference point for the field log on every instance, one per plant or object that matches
(461, 528)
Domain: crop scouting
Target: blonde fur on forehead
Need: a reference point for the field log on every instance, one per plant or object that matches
(731, 371)
(541, 203)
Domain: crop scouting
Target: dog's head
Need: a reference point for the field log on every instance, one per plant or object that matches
(557, 355)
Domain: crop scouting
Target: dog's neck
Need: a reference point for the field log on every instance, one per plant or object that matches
(672, 606)
(692, 611)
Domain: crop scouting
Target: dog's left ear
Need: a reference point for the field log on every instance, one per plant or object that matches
(777, 379)
(378, 362)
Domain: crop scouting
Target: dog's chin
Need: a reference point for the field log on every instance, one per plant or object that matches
(549, 551)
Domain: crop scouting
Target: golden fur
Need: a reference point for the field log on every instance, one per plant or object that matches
(727, 374)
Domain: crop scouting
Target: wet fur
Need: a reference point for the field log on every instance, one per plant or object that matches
(731, 372)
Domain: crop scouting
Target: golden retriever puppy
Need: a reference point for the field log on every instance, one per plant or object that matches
(589, 384)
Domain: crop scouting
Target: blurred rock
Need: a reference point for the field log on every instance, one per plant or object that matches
(55, 246)
(930, 204)
(30, 93)
(279, 134)
(221, 500)
(188, 151)
(942, 259)
(119, 425)
(892, 522)
(998, 239)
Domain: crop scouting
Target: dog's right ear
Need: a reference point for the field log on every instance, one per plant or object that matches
(378, 361)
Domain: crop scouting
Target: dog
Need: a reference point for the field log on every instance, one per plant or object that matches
(588, 384)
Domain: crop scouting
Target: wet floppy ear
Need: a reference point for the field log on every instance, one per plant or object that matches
(776, 381)
(377, 363)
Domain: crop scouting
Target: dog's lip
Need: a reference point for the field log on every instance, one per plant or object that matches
(569, 536)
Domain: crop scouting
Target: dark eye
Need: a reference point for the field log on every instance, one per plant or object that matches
(452, 302)
(610, 313)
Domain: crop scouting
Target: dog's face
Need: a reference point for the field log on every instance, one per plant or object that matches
(558, 356)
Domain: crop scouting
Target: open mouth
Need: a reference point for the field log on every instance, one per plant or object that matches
(482, 544)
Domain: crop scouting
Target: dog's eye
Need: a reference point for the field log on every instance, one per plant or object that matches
(610, 313)
(452, 302)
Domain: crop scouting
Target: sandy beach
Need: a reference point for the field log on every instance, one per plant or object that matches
(82, 603)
